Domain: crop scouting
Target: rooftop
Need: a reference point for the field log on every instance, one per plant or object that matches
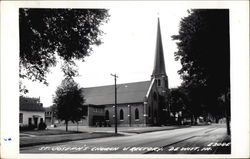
(30, 104)
(126, 93)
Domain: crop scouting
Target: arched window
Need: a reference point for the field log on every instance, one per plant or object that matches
(159, 82)
(136, 114)
(107, 115)
(121, 115)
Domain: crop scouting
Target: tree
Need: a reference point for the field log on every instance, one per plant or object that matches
(178, 101)
(46, 34)
(68, 101)
(203, 50)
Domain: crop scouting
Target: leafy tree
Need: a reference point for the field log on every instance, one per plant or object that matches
(203, 50)
(46, 34)
(178, 101)
(68, 101)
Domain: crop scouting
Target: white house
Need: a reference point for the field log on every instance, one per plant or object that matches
(31, 111)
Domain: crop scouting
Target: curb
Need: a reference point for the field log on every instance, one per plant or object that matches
(148, 131)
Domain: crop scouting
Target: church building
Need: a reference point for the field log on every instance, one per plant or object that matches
(138, 104)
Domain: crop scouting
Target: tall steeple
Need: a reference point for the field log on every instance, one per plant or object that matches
(159, 72)
(159, 63)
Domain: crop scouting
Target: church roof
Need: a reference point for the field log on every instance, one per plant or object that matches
(159, 64)
(126, 93)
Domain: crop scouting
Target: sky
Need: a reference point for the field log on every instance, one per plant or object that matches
(128, 50)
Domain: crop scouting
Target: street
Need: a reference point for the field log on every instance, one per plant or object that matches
(192, 140)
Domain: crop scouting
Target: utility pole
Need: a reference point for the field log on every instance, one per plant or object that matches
(115, 76)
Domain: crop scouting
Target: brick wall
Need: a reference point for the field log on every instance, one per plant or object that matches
(128, 114)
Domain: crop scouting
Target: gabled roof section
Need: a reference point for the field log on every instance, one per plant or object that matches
(150, 87)
(159, 63)
(30, 104)
(126, 93)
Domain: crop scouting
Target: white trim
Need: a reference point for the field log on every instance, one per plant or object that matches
(150, 87)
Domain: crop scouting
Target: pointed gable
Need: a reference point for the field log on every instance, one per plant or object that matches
(159, 63)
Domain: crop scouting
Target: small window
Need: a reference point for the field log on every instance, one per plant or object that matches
(136, 114)
(159, 82)
(30, 121)
(121, 115)
(20, 117)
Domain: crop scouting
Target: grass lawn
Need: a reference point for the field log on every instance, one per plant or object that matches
(48, 132)
(58, 138)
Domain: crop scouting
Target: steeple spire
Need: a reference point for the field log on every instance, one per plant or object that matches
(159, 63)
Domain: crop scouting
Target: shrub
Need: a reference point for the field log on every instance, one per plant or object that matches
(42, 126)
(27, 127)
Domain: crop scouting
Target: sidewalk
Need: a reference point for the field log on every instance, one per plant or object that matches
(136, 130)
(85, 132)
(151, 129)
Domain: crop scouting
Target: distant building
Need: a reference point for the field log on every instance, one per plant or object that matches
(52, 120)
(31, 111)
(138, 103)
(49, 116)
